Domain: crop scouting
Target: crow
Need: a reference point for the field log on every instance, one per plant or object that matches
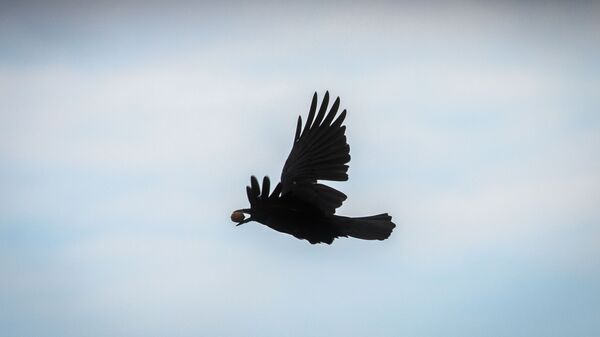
(301, 206)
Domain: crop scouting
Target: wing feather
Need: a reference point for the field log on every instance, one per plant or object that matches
(266, 186)
(298, 128)
(255, 187)
(320, 152)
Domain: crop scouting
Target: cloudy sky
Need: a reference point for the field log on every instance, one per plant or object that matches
(129, 131)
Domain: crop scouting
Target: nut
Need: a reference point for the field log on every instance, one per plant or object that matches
(237, 216)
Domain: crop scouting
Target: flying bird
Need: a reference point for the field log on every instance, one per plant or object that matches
(300, 205)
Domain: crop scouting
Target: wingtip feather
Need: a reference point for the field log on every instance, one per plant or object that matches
(255, 186)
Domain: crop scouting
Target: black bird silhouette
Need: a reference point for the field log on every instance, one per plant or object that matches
(299, 205)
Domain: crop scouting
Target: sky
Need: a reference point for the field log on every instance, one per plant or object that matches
(129, 130)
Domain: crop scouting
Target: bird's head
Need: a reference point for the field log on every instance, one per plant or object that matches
(258, 201)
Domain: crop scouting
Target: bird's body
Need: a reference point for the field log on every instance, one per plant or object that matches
(299, 205)
(292, 216)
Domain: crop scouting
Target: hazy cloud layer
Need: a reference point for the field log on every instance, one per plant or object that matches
(128, 132)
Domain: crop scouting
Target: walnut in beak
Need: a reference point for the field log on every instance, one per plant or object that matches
(237, 216)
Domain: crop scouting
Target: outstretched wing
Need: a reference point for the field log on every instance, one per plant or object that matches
(320, 152)
(256, 197)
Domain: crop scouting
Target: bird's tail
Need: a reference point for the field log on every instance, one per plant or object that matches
(375, 227)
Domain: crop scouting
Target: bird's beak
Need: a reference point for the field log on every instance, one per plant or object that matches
(244, 221)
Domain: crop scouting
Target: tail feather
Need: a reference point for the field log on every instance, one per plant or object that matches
(375, 227)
